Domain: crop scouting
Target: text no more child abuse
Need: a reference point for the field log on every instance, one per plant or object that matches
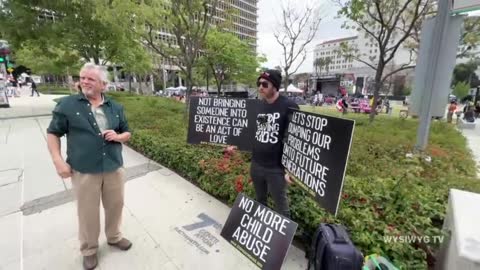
(259, 233)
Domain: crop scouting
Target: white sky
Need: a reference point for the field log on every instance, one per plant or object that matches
(269, 14)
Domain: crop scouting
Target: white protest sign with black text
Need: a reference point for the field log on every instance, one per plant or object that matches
(315, 153)
(224, 121)
(259, 233)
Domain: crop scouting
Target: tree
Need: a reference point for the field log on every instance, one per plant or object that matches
(389, 24)
(72, 25)
(175, 30)
(327, 62)
(56, 60)
(226, 57)
(470, 37)
(465, 72)
(296, 30)
(461, 89)
(319, 63)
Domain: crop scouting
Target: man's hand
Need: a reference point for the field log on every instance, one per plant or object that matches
(110, 135)
(63, 169)
(287, 179)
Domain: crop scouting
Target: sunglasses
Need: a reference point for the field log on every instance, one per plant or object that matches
(263, 84)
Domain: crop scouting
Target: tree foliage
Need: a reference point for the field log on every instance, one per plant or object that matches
(461, 89)
(321, 63)
(227, 58)
(50, 60)
(73, 26)
(470, 37)
(465, 72)
(175, 30)
(389, 24)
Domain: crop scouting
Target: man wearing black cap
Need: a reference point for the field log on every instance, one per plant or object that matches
(266, 170)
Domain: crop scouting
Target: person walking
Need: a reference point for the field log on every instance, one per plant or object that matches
(451, 110)
(95, 127)
(33, 86)
(267, 172)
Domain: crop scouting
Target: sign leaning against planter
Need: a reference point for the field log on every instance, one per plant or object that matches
(259, 233)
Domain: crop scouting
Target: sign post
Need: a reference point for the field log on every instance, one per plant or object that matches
(442, 46)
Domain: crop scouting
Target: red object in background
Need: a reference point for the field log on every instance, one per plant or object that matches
(4, 51)
(343, 91)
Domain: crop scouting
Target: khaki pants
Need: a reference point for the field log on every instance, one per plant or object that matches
(88, 189)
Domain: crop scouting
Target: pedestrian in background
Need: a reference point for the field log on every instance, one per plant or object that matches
(451, 110)
(33, 86)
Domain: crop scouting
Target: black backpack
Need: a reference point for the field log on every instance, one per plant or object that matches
(332, 249)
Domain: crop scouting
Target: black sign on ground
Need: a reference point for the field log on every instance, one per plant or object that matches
(315, 154)
(224, 121)
(259, 233)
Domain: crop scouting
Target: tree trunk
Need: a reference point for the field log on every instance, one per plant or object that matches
(285, 81)
(140, 91)
(129, 82)
(188, 81)
(376, 90)
(218, 83)
(219, 87)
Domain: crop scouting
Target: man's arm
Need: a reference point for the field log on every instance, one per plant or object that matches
(54, 147)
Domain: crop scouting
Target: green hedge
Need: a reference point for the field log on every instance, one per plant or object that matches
(53, 89)
(385, 193)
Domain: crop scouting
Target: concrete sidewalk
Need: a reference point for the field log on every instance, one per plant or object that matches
(27, 106)
(473, 140)
(38, 224)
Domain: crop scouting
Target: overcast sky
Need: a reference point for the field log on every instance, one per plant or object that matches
(269, 13)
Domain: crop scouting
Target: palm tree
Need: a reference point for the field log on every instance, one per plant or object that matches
(328, 61)
(319, 63)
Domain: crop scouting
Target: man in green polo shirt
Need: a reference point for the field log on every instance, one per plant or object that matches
(95, 127)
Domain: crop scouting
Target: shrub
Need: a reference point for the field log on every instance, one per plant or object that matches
(51, 89)
(385, 193)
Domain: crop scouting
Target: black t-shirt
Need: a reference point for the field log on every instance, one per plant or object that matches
(272, 120)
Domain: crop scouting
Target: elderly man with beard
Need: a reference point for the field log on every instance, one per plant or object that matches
(95, 127)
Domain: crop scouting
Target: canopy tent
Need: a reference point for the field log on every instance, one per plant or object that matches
(176, 88)
(292, 89)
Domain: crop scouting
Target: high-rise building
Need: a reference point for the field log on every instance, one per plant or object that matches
(244, 26)
(244, 20)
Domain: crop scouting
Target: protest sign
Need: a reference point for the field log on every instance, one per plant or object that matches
(316, 153)
(224, 121)
(259, 233)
